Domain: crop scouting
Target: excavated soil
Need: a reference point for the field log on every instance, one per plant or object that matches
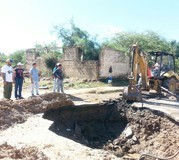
(31, 153)
(14, 112)
(117, 127)
(114, 126)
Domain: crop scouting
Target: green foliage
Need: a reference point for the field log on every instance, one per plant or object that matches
(80, 38)
(177, 65)
(149, 41)
(18, 56)
(48, 48)
(82, 84)
(50, 52)
(50, 60)
(175, 46)
(3, 58)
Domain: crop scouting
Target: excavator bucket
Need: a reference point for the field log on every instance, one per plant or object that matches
(132, 92)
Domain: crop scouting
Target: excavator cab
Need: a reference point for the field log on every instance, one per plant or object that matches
(162, 63)
(164, 71)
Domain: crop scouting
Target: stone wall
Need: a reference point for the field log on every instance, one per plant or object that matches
(81, 70)
(71, 54)
(75, 67)
(117, 60)
(30, 57)
(33, 56)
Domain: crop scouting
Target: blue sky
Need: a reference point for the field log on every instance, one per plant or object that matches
(26, 22)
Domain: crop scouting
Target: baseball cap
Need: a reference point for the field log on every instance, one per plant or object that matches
(9, 60)
(19, 64)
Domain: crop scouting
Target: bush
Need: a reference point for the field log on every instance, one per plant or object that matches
(50, 60)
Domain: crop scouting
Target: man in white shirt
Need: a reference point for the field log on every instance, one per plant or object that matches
(7, 75)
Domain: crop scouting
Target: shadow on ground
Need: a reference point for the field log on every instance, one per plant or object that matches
(116, 81)
(74, 98)
(92, 125)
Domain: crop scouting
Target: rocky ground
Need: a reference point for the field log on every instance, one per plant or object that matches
(98, 130)
(119, 128)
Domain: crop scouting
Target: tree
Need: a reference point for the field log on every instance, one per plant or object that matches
(18, 56)
(149, 41)
(177, 49)
(3, 58)
(48, 48)
(50, 52)
(80, 38)
(50, 60)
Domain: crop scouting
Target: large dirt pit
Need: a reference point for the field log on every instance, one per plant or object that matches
(115, 126)
(128, 132)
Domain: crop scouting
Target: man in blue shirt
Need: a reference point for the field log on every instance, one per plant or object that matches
(34, 76)
(55, 77)
(59, 78)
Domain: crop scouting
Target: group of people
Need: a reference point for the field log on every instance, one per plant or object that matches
(16, 76)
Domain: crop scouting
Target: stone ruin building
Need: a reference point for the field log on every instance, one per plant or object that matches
(75, 67)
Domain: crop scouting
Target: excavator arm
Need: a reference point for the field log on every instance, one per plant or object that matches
(138, 67)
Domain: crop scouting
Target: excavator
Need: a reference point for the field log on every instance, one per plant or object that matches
(151, 71)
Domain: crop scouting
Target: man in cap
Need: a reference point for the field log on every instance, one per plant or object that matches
(59, 80)
(7, 76)
(18, 77)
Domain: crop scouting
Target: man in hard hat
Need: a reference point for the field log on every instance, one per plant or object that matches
(7, 76)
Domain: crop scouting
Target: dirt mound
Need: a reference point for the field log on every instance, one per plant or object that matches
(32, 153)
(149, 132)
(45, 102)
(118, 127)
(12, 112)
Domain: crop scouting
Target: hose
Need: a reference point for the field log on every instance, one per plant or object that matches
(158, 158)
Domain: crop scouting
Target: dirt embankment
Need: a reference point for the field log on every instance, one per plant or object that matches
(117, 127)
(13, 112)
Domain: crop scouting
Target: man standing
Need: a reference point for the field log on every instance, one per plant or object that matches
(18, 77)
(7, 75)
(59, 74)
(55, 77)
(34, 76)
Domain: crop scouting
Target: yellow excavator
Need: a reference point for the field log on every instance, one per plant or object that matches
(151, 71)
